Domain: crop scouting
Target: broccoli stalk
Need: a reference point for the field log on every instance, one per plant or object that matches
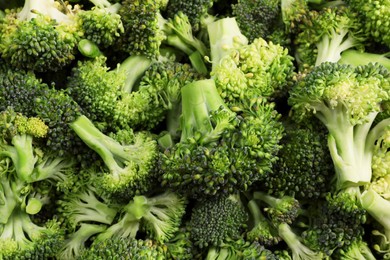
(225, 35)
(379, 209)
(129, 165)
(332, 92)
(160, 216)
(298, 249)
(358, 58)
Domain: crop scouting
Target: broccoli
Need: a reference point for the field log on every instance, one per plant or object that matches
(256, 19)
(196, 11)
(124, 248)
(323, 35)
(146, 30)
(159, 217)
(374, 16)
(39, 37)
(128, 165)
(215, 220)
(304, 168)
(358, 58)
(261, 229)
(101, 24)
(245, 71)
(347, 100)
(220, 151)
(299, 250)
(378, 208)
(115, 97)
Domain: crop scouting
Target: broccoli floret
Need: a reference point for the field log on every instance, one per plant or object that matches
(181, 246)
(146, 29)
(378, 208)
(280, 210)
(101, 24)
(215, 220)
(358, 249)
(246, 71)
(124, 248)
(196, 11)
(256, 18)
(114, 97)
(239, 249)
(338, 222)
(323, 35)
(220, 151)
(375, 16)
(158, 216)
(77, 241)
(261, 229)
(304, 168)
(86, 206)
(347, 100)
(40, 37)
(298, 249)
(129, 166)
(20, 237)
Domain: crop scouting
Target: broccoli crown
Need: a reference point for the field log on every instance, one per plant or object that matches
(39, 44)
(323, 35)
(196, 11)
(337, 224)
(304, 168)
(128, 167)
(249, 71)
(256, 19)
(219, 151)
(124, 248)
(375, 16)
(143, 27)
(217, 219)
(100, 25)
(333, 92)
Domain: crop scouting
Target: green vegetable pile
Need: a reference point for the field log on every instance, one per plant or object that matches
(198, 129)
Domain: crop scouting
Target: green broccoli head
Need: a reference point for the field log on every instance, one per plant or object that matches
(347, 100)
(304, 167)
(128, 248)
(220, 151)
(337, 223)
(256, 19)
(323, 35)
(128, 167)
(217, 219)
(196, 11)
(374, 16)
(40, 37)
(249, 71)
(103, 26)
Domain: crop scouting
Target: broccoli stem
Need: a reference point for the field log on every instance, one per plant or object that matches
(133, 67)
(357, 58)
(8, 200)
(22, 155)
(270, 200)
(348, 145)
(199, 98)
(45, 7)
(225, 35)
(331, 46)
(378, 207)
(299, 250)
(114, 155)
